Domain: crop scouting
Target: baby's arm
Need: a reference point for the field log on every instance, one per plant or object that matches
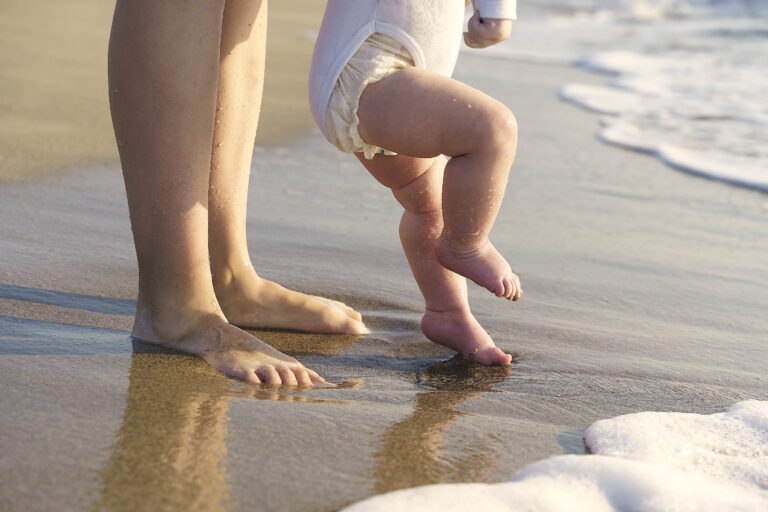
(491, 23)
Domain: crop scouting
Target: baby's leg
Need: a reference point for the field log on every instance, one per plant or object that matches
(419, 113)
(416, 183)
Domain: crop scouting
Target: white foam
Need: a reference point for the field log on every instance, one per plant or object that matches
(715, 165)
(689, 82)
(649, 461)
(692, 111)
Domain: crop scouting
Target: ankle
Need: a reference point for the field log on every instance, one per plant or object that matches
(463, 247)
(166, 319)
(227, 273)
(450, 309)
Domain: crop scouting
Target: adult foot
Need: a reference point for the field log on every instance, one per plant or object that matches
(460, 331)
(248, 300)
(232, 351)
(483, 265)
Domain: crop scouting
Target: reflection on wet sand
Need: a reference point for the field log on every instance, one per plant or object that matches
(411, 451)
(171, 447)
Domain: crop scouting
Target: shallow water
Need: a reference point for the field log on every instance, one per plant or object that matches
(645, 290)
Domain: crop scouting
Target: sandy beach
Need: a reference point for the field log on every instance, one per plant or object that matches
(645, 290)
(53, 83)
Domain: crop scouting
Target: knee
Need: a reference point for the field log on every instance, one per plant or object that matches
(498, 131)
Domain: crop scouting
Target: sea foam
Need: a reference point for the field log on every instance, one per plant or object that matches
(648, 461)
(689, 78)
(697, 113)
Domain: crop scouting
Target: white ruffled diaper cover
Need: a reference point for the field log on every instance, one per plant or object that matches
(378, 57)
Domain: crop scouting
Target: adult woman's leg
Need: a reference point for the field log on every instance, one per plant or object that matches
(246, 298)
(163, 80)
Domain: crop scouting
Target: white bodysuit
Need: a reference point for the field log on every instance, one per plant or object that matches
(430, 31)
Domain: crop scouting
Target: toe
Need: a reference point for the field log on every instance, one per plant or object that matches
(509, 288)
(269, 375)
(287, 376)
(314, 377)
(334, 319)
(518, 288)
(245, 374)
(302, 377)
(493, 355)
(353, 326)
(354, 315)
(351, 313)
(346, 309)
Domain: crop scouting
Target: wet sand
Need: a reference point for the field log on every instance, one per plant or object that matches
(53, 83)
(645, 290)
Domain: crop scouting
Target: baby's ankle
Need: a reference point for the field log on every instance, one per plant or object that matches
(463, 247)
(450, 310)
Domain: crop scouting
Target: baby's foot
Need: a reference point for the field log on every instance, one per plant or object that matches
(460, 331)
(483, 265)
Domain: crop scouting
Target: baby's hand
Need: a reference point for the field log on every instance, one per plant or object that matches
(484, 32)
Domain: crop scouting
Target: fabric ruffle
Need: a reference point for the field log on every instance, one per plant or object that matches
(377, 57)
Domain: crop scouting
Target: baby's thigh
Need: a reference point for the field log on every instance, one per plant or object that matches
(418, 112)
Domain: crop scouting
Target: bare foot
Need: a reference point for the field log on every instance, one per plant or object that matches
(234, 352)
(250, 301)
(460, 331)
(483, 265)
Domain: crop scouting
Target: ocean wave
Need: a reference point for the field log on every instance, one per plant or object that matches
(659, 9)
(694, 111)
(689, 78)
(649, 461)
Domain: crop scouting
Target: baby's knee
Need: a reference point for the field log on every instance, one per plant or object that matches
(505, 126)
(498, 131)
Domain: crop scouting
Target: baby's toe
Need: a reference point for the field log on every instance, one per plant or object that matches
(509, 287)
(492, 355)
